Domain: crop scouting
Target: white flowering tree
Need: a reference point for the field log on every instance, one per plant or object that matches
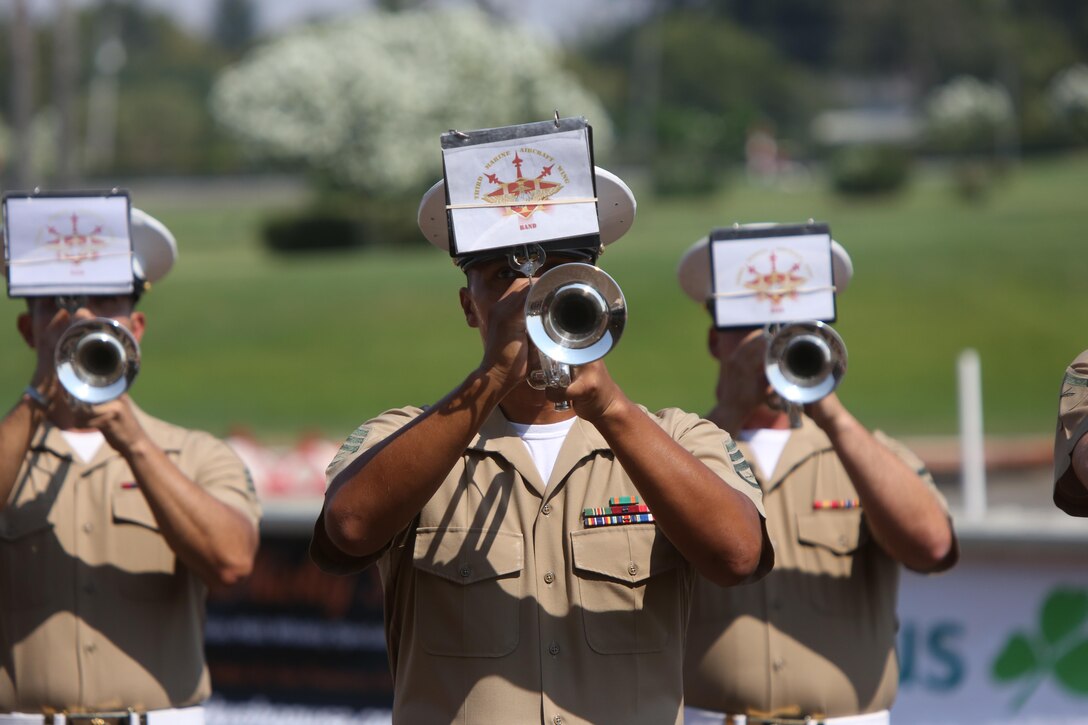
(1068, 94)
(365, 100)
(966, 114)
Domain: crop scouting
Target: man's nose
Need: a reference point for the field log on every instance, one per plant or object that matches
(83, 314)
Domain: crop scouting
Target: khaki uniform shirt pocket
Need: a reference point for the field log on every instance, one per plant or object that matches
(144, 564)
(28, 549)
(468, 590)
(831, 540)
(35, 570)
(627, 588)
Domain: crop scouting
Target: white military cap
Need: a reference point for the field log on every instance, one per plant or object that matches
(615, 210)
(693, 271)
(154, 248)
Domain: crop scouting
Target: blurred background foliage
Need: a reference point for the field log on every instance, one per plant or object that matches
(943, 140)
(681, 81)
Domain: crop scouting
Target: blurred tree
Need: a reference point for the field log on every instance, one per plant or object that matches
(234, 25)
(966, 118)
(805, 31)
(878, 53)
(161, 126)
(100, 146)
(1068, 95)
(965, 115)
(363, 102)
(65, 70)
(142, 52)
(716, 82)
(682, 87)
(394, 6)
(22, 94)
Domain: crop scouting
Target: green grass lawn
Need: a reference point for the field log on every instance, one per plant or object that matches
(239, 337)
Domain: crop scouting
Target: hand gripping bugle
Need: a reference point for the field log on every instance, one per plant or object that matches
(574, 314)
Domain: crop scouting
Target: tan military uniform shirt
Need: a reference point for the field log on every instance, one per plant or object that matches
(1070, 494)
(817, 635)
(95, 610)
(502, 607)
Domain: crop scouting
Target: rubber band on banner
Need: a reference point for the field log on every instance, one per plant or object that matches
(54, 260)
(756, 293)
(542, 202)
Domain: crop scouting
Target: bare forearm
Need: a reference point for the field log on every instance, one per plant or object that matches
(714, 526)
(902, 511)
(16, 432)
(380, 493)
(214, 540)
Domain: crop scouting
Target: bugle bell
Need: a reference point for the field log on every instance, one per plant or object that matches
(96, 360)
(574, 314)
(805, 361)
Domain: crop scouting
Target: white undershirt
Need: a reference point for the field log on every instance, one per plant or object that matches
(85, 444)
(544, 442)
(767, 445)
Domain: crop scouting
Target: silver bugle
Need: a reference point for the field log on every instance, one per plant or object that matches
(805, 361)
(574, 314)
(96, 360)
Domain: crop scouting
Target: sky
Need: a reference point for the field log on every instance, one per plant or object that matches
(273, 15)
(559, 18)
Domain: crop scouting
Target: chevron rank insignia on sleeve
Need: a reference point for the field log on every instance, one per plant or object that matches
(740, 463)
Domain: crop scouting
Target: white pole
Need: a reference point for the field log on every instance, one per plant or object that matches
(972, 447)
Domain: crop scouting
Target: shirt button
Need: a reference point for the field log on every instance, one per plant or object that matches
(842, 540)
(90, 648)
(553, 649)
(549, 577)
(778, 664)
(466, 571)
(546, 509)
(632, 568)
(557, 720)
(88, 527)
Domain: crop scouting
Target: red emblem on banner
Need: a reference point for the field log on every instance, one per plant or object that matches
(522, 189)
(75, 246)
(773, 283)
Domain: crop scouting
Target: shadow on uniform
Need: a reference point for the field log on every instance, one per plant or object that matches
(473, 595)
(25, 524)
(827, 616)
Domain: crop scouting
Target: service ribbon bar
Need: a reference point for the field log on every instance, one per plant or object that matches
(635, 508)
(593, 521)
(836, 503)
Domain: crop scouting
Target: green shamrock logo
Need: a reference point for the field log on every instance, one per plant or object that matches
(1060, 648)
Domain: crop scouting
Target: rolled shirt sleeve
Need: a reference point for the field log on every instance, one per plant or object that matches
(1070, 493)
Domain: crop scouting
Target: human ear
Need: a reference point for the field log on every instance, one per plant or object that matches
(137, 325)
(469, 308)
(26, 328)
